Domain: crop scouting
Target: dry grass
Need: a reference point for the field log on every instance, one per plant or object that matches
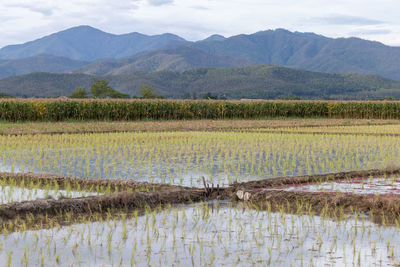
(7, 128)
(190, 100)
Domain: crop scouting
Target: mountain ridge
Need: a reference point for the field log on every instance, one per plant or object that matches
(172, 59)
(38, 63)
(307, 51)
(87, 43)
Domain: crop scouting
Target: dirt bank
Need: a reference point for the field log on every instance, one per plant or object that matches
(87, 205)
(127, 196)
(281, 181)
(381, 209)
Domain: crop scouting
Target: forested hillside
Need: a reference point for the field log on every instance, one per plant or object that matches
(262, 81)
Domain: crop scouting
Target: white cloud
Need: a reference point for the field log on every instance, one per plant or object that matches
(347, 20)
(25, 20)
(160, 2)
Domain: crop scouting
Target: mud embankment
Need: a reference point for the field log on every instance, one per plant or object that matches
(92, 204)
(381, 209)
(84, 184)
(297, 180)
(127, 195)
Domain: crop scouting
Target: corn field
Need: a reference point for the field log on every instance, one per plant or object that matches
(130, 110)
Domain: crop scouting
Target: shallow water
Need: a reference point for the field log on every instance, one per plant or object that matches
(17, 194)
(184, 157)
(198, 235)
(388, 185)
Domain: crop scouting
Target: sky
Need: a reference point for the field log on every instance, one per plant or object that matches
(26, 20)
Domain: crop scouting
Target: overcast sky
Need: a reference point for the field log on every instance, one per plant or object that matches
(25, 20)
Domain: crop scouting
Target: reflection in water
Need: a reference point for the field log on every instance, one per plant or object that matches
(201, 235)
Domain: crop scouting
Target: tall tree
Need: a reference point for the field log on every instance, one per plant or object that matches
(101, 89)
(80, 92)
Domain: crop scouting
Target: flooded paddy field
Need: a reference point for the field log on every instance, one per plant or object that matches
(182, 158)
(207, 234)
(156, 209)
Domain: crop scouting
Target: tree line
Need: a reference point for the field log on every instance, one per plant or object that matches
(101, 89)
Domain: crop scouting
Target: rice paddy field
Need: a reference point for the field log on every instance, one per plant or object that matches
(182, 158)
(307, 193)
(357, 129)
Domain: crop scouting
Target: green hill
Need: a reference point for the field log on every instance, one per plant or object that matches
(39, 63)
(262, 81)
(173, 59)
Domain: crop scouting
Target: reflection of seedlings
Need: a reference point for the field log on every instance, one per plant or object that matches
(206, 233)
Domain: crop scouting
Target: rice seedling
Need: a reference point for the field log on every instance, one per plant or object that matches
(207, 233)
(391, 129)
(182, 158)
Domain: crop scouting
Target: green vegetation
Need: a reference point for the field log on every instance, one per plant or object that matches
(79, 93)
(255, 82)
(58, 110)
(101, 89)
(5, 96)
(182, 158)
(38, 63)
(147, 92)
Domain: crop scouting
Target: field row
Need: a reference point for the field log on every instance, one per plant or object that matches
(182, 158)
(8, 128)
(61, 110)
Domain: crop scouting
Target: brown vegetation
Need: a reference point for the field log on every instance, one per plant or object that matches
(88, 205)
(7, 128)
(82, 184)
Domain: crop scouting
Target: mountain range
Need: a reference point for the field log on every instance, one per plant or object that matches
(87, 43)
(89, 51)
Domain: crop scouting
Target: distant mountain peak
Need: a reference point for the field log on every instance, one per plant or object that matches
(82, 27)
(87, 43)
(215, 37)
(171, 35)
(79, 30)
